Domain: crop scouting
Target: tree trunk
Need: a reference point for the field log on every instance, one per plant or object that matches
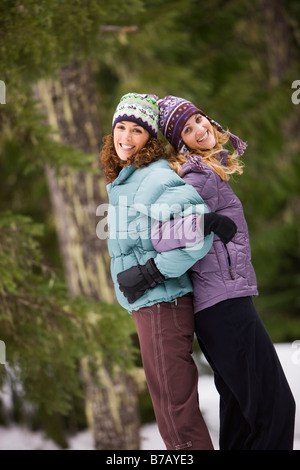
(70, 103)
(283, 53)
(279, 39)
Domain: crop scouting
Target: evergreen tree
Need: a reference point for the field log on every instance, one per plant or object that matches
(53, 45)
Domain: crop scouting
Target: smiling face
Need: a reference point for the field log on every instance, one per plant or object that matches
(129, 138)
(198, 133)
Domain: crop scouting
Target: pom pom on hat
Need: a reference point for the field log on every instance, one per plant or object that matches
(173, 114)
(139, 108)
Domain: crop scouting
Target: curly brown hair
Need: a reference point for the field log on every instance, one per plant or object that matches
(112, 165)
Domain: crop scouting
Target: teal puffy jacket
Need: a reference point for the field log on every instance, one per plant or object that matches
(137, 197)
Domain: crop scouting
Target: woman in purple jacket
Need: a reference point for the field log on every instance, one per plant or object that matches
(257, 409)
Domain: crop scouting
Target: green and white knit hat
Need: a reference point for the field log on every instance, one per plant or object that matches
(141, 109)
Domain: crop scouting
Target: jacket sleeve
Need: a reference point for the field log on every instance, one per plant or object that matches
(177, 233)
(206, 187)
(168, 197)
(176, 262)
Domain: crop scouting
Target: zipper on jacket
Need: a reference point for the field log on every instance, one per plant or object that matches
(229, 263)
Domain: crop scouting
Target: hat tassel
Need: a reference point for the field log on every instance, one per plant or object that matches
(238, 144)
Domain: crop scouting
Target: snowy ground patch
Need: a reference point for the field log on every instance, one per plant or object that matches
(209, 400)
(19, 438)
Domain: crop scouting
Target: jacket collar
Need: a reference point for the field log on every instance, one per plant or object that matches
(123, 175)
(223, 157)
(197, 161)
(126, 172)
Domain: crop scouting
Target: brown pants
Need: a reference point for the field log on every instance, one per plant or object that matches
(166, 333)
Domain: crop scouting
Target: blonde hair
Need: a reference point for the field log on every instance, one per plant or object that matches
(210, 157)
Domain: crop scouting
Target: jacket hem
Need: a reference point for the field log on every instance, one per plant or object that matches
(158, 300)
(209, 303)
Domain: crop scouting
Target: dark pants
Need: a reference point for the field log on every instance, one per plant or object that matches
(166, 333)
(257, 409)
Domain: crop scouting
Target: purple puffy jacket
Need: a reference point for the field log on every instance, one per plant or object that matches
(226, 271)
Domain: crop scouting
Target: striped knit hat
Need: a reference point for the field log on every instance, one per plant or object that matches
(173, 114)
(141, 109)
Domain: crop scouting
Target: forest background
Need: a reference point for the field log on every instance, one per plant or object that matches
(71, 352)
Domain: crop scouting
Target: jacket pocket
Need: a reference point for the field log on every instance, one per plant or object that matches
(229, 262)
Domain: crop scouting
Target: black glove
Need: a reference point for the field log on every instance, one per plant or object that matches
(133, 282)
(221, 225)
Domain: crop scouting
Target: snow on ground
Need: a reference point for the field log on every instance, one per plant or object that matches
(19, 438)
(289, 355)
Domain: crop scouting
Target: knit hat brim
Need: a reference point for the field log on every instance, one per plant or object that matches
(141, 109)
(172, 119)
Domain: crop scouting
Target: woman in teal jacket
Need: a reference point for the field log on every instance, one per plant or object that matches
(142, 188)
